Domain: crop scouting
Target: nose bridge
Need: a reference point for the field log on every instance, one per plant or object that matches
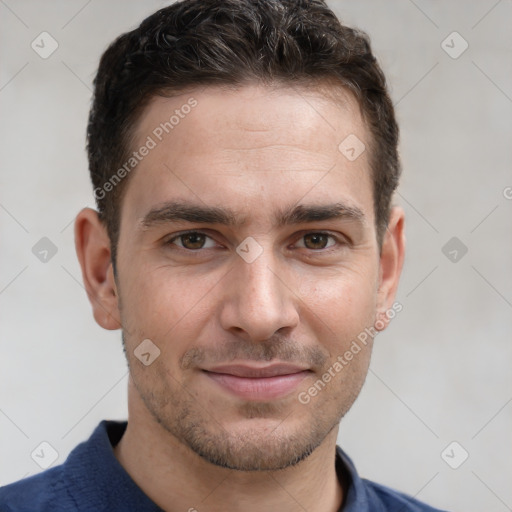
(259, 303)
(261, 281)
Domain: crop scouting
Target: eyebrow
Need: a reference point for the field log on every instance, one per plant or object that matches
(175, 211)
(302, 214)
(181, 211)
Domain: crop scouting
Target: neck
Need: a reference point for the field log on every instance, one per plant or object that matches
(177, 479)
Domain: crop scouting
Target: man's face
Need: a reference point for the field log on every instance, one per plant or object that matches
(252, 302)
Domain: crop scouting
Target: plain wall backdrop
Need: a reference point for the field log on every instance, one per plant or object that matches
(440, 373)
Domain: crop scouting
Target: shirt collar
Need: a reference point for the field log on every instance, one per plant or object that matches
(113, 484)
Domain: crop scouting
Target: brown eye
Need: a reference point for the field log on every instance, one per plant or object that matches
(193, 241)
(317, 241)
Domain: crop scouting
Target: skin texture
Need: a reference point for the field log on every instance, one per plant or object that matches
(260, 152)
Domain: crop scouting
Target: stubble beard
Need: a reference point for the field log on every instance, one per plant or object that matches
(282, 439)
(267, 436)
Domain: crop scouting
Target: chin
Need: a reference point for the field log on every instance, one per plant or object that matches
(255, 444)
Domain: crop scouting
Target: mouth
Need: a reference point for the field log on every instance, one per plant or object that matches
(258, 383)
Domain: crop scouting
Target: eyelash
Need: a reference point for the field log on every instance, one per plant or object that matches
(336, 239)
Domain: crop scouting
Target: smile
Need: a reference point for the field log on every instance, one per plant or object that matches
(253, 383)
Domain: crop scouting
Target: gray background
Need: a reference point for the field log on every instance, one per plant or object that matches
(440, 373)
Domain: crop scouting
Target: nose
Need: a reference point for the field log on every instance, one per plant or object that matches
(259, 300)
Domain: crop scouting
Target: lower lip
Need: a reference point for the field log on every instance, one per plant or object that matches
(264, 388)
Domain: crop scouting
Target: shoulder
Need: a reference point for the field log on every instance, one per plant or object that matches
(43, 492)
(364, 495)
(80, 483)
(395, 500)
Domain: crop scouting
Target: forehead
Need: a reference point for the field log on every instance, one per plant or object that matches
(256, 146)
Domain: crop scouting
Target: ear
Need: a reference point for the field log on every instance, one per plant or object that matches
(92, 245)
(390, 265)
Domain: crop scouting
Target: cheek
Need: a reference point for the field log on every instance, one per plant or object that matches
(344, 302)
(164, 305)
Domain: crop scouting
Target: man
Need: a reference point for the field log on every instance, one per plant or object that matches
(243, 156)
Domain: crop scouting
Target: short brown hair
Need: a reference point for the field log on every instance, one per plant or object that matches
(231, 42)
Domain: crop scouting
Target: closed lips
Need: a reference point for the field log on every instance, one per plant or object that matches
(252, 372)
(260, 384)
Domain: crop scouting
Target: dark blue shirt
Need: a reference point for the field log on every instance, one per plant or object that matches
(92, 480)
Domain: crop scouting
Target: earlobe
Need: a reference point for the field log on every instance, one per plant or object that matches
(390, 265)
(92, 245)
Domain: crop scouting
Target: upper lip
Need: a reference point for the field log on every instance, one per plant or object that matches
(249, 371)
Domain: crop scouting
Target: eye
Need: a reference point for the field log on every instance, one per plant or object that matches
(317, 241)
(193, 241)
